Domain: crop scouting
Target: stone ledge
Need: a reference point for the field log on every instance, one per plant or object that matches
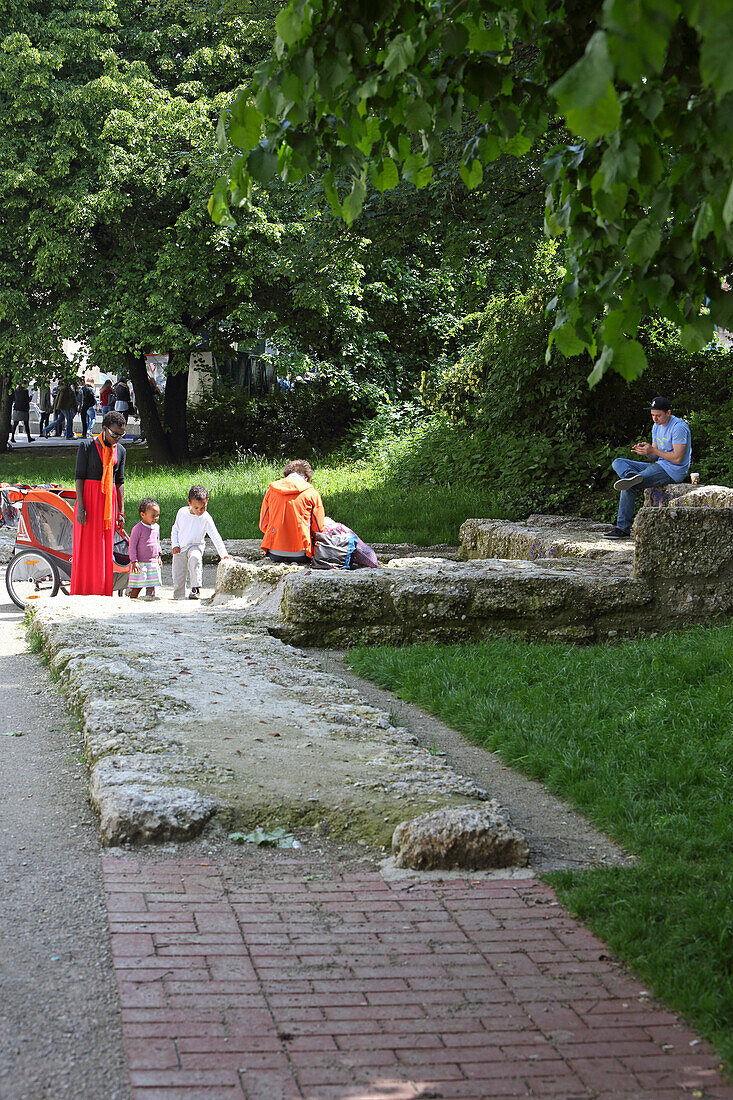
(540, 537)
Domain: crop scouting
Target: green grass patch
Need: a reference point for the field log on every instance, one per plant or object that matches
(639, 736)
(358, 494)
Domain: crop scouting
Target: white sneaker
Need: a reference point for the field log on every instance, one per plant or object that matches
(633, 481)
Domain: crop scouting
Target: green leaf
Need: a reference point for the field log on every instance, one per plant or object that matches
(640, 33)
(704, 222)
(629, 358)
(472, 174)
(219, 208)
(400, 54)
(697, 334)
(600, 367)
(332, 195)
(586, 95)
(245, 127)
(384, 175)
(354, 200)
(416, 170)
(621, 165)
(221, 132)
(291, 24)
(643, 241)
(455, 39)
(728, 207)
(568, 341)
(716, 54)
(262, 164)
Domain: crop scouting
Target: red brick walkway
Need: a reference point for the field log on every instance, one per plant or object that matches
(356, 989)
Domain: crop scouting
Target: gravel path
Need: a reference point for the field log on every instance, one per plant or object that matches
(60, 1032)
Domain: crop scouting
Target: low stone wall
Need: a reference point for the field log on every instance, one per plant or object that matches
(682, 574)
(429, 600)
(540, 537)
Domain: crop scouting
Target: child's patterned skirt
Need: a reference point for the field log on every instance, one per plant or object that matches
(144, 574)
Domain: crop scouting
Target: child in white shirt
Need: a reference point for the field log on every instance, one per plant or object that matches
(192, 525)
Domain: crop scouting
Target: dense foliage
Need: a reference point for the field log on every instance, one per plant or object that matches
(642, 192)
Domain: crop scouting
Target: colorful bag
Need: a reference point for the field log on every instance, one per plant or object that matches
(338, 547)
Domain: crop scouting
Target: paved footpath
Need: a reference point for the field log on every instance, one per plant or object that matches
(354, 988)
(272, 976)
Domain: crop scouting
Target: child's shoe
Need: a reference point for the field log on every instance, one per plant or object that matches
(195, 594)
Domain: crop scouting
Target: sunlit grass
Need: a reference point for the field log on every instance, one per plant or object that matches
(640, 737)
(358, 494)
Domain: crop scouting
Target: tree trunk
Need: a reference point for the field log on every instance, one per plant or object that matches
(6, 404)
(159, 447)
(174, 413)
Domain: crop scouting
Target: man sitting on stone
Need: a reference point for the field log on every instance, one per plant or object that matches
(671, 453)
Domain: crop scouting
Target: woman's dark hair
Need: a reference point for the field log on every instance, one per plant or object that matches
(197, 492)
(147, 502)
(299, 466)
(113, 420)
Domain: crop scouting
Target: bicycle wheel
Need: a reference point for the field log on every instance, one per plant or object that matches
(31, 574)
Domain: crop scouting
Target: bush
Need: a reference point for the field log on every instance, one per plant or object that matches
(310, 417)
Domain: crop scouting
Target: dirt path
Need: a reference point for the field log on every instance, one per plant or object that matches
(60, 1032)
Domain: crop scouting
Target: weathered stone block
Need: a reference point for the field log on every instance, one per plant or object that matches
(684, 542)
(472, 837)
(705, 496)
(135, 801)
(540, 537)
(661, 496)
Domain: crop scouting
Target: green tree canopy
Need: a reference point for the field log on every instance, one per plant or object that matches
(642, 192)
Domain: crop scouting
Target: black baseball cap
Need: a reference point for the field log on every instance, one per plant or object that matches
(661, 403)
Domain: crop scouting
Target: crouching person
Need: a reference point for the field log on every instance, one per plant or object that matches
(291, 515)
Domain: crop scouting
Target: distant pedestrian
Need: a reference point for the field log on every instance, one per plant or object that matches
(45, 404)
(123, 398)
(107, 397)
(87, 409)
(21, 412)
(65, 408)
(144, 551)
(190, 529)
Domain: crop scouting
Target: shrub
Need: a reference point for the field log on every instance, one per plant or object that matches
(309, 417)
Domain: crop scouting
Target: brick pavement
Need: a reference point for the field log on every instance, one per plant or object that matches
(353, 988)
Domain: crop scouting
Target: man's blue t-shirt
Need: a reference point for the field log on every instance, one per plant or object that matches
(664, 437)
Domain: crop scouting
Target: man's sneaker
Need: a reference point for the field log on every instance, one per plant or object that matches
(633, 481)
(195, 594)
(618, 533)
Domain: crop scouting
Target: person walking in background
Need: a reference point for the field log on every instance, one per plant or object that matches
(670, 452)
(107, 397)
(291, 515)
(45, 404)
(21, 413)
(144, 551)
(88, 409)
(192, 525)
(122, 398)
(99, 511)
(65, 407)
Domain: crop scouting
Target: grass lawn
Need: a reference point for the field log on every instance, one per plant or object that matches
(640, 737)
(356, 494)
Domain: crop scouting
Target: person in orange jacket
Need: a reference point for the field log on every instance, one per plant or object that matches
(291, 514)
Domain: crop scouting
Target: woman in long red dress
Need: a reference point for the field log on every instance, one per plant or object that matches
(100, 478)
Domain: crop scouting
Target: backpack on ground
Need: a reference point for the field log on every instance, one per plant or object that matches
(338, 547)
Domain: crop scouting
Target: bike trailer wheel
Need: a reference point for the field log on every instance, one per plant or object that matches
(30, 575)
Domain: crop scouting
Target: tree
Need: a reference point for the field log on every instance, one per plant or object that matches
(642, 191)
(108, 158)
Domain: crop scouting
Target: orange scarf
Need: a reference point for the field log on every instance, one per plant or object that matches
(108, 456)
